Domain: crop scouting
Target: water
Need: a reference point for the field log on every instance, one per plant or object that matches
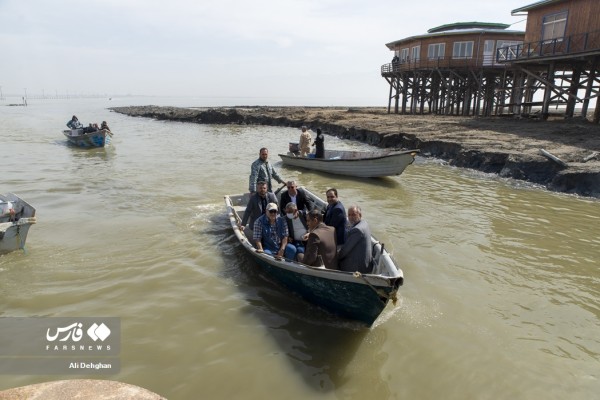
(502, 286)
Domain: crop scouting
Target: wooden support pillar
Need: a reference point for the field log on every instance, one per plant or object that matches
(529, 92)
(397, 95)
(573, 89)
(405, 82)
(390, 96)
(548, 91)
(589, 88)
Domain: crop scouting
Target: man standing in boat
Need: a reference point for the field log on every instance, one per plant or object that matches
(356, 253)
(74, 123)
(262, 170)
(305, 140)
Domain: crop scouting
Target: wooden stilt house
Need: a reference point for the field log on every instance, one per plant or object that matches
(484, 69)
(560, 58)
(452, 69)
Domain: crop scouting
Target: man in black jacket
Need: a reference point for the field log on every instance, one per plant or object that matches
(295, 195)
(257, 206)
(335, 215)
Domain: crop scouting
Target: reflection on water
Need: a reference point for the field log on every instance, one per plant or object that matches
(501, 278)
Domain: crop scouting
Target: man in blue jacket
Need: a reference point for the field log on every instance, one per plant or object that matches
(271, 234)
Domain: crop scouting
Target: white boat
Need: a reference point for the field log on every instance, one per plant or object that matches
(356, 296)
(78, 137)
(16, 216)
(362, 164)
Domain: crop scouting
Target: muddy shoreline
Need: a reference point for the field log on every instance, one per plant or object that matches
(505, 146)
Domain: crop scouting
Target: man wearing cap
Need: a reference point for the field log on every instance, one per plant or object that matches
(262, 170)
(271, 234)
(295, 195)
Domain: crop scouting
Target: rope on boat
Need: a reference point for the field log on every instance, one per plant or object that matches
(379, 292)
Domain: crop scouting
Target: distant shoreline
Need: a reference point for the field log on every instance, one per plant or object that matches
(558, 154)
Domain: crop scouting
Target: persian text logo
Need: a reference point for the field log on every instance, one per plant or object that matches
(75, 333)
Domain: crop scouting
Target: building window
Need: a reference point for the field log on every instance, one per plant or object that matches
(436, 51)
(462, 50)
(404, 55)
(507, 49)
(553, 26)
(416, 53)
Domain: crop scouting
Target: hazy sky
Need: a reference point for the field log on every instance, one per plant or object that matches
(329, 49)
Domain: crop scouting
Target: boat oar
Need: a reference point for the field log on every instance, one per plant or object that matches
(279, 190)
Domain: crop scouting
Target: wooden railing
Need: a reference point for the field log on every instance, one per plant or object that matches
(574, 44)
(440, 63)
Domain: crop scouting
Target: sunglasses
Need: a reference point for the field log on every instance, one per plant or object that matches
(272, 211)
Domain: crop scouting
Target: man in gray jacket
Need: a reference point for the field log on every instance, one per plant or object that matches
(262, 170)
(356, 252)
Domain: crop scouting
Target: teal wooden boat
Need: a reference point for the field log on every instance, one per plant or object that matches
(99, 138)
(355, 296)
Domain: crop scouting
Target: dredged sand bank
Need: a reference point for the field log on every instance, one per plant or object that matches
(506, 146)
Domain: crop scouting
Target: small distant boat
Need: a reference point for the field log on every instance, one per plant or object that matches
(356, 296)
(16, 216)
(362, 164)
(99, 138)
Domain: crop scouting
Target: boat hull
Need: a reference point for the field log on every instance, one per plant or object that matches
(358, 164)
(99, 138)
(14, 229)
(355, 296)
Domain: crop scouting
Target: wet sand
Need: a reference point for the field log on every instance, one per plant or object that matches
(508, 146)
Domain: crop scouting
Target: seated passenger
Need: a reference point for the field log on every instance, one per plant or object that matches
(335, 215)
(256, 207)
(271, 234)
(297, 196)
(74, 123)
(356, 252)
(297, 227)
(104, 126)
(320, 243)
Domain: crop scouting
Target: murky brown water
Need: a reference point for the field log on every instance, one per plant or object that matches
(502, 281)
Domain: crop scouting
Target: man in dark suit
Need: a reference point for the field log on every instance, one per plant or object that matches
(320, 243)
(295, 195)
(356, 253)
(335, 215)
(257, 205)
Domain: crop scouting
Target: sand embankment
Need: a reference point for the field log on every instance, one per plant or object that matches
(506, 146)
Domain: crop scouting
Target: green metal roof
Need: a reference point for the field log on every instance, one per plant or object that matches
(468, 25)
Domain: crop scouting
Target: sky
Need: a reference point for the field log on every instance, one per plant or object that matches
(275, 49)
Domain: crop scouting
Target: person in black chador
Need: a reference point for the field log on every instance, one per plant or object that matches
(319, 143)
